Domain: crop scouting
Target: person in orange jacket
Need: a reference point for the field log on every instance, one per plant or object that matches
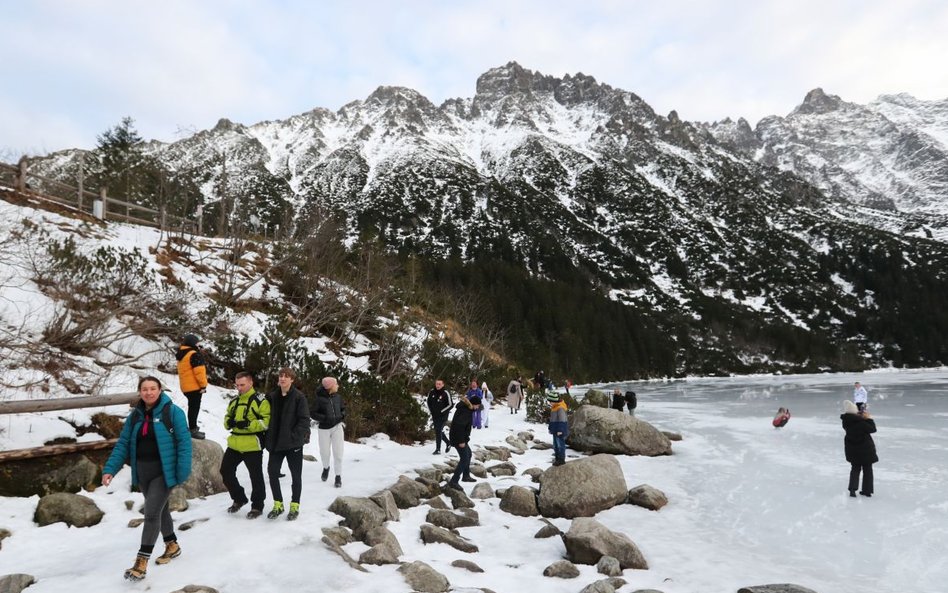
(192, 376)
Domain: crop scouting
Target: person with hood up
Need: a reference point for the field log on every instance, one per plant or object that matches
(558, 426)
(329, 413)
(859, 446)
(192, 377)
(475, 391)
(439, 406)
(157, 446)
(514, 394)
(288, 432)
(460, 438)
(487, 400)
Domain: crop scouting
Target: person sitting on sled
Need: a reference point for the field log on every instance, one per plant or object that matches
(782, 417)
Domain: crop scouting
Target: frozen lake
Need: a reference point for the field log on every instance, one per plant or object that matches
(771, 505)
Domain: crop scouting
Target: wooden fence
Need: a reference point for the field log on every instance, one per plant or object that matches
(21, 180)
(66, 403)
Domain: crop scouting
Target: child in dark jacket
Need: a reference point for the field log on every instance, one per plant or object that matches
(558, 427)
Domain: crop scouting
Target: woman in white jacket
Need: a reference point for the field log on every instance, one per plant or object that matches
(486, 400)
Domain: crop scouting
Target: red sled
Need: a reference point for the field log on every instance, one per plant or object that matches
(782, 417)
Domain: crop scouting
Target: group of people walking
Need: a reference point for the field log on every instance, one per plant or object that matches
(156, 443)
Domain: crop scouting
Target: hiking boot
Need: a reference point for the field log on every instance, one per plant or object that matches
(325, 474)
(294, 511)
(338, 481)
(197, 434)
(869, 494)
(559, 461)
(235, 506)
(138, 570)
(254, 513)
(468, 479)
(852, 493)
(172, 550)
(436, 452)
(277, 510)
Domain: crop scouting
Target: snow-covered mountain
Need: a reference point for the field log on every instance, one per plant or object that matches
(891, 153)
(737, 242)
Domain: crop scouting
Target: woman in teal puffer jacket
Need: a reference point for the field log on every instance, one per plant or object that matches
(160, 458)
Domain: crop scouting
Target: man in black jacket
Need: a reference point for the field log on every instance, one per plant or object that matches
(288, 432)
(330, 413)
(439, 405)
(460, 438)
(631, 401)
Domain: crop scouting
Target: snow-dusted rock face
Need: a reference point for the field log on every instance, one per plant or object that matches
(891, 153)
(733, 241)
(205, 478)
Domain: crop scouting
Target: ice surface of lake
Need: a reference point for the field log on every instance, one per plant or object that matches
(753, 504)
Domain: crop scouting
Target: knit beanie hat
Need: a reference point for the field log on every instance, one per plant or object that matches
(552, 396)
(191, 340)
(474, 400)
(850, 408)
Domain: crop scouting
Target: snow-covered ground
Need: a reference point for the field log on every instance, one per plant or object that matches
(749, 504)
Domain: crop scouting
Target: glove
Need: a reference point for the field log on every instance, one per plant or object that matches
(242, 424)
(229, 423)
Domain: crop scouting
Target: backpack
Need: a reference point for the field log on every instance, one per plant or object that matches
(512, 390)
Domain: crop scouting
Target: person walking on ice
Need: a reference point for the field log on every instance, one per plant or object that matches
(860, 396)
(859, 447)
(329, 414)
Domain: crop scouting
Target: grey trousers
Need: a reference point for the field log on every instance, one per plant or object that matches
(151, 480)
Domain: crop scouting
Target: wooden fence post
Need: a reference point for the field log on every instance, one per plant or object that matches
(20, 183)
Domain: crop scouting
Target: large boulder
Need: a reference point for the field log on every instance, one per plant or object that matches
(647, 496)
(520, 501)
(482, 491)
(588, 540)
(582, 488)
(385, 547)
(205, 478)
(602, 430)
(421, 577)
(74, 510)
(459, 499)
(595, 397)
(361, 515)
(14, 583)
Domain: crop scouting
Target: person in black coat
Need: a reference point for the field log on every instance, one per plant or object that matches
(859, 446)
(617, 402)
(439, 405)
(460, 438)
(329, 412)
(286, 435)
(631, 401)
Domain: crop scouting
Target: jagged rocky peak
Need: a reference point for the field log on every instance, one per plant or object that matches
(735, 134)
(817, 101)
(513, 80)
(398, 96)
(225, 125)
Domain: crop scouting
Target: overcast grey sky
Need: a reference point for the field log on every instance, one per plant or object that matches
(71, 69)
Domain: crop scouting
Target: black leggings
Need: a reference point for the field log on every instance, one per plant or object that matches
(867, 485)
(151, 480)
(194, 407)
(294, 460)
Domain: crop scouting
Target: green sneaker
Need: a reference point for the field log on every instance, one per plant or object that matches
(277, 509)
(294, 511)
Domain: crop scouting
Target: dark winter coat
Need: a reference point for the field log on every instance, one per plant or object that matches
(329, 409)
(860, 448)
(174, 443)
(461, 424)
(289, 420)
(617, 402)
(630, 400)
(439, 404)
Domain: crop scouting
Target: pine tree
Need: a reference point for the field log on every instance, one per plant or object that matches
(122, 167)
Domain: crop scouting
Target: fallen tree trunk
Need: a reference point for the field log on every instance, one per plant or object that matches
(66, 403)
(48, 450)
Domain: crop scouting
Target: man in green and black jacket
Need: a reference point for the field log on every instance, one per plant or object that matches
(247, 419)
